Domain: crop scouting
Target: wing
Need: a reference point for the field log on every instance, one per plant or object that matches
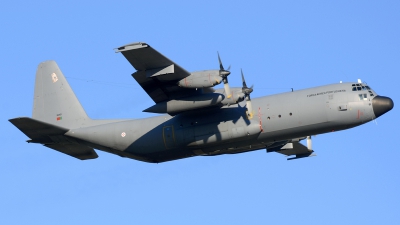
(156, 74)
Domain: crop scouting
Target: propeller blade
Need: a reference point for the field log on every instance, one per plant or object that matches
(249, 109)
(224, 74)
(247, 91)
(244, 82)
(221, 67)
(227, 89)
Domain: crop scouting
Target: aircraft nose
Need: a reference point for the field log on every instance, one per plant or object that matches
(381, 105)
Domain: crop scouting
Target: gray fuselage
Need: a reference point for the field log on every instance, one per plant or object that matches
(276, 119)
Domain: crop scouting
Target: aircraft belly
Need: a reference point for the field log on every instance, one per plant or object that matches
(202, 135)
(194, 135)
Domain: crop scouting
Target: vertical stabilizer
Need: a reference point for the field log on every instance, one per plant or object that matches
(54, 101)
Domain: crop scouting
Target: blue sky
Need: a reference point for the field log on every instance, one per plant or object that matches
(279, 44)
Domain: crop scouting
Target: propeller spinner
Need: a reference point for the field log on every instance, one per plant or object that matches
(246, 91)
(224, 74)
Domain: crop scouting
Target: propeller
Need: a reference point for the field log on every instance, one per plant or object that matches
(224, 74)
(246, 91)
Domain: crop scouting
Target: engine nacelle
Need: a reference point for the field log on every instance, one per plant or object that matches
(175, 106)
(201, 79)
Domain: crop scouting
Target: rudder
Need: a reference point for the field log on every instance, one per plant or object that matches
(54, 101)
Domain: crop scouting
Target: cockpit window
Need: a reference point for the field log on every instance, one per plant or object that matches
(360, 87)
(363, 97)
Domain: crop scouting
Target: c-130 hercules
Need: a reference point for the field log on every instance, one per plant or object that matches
(198, 120)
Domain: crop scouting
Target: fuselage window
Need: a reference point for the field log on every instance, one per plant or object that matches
(359, 88)
(354, 89)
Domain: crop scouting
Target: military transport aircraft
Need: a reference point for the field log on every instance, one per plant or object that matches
(198, 120)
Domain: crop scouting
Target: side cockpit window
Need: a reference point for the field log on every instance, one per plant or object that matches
(363, 97)
(370, 93)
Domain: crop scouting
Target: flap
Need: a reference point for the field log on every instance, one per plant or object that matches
(160, 71)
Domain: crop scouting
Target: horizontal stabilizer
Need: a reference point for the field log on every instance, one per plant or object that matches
(37, 130)
(53, 137)
(75, 150)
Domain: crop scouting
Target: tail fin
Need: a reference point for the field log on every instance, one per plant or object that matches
(54, 101)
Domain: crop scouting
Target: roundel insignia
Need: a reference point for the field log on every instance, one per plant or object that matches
(54, 77)
(123, 134)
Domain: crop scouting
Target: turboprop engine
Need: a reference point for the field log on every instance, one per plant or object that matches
(201, 79)
(208, 78)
